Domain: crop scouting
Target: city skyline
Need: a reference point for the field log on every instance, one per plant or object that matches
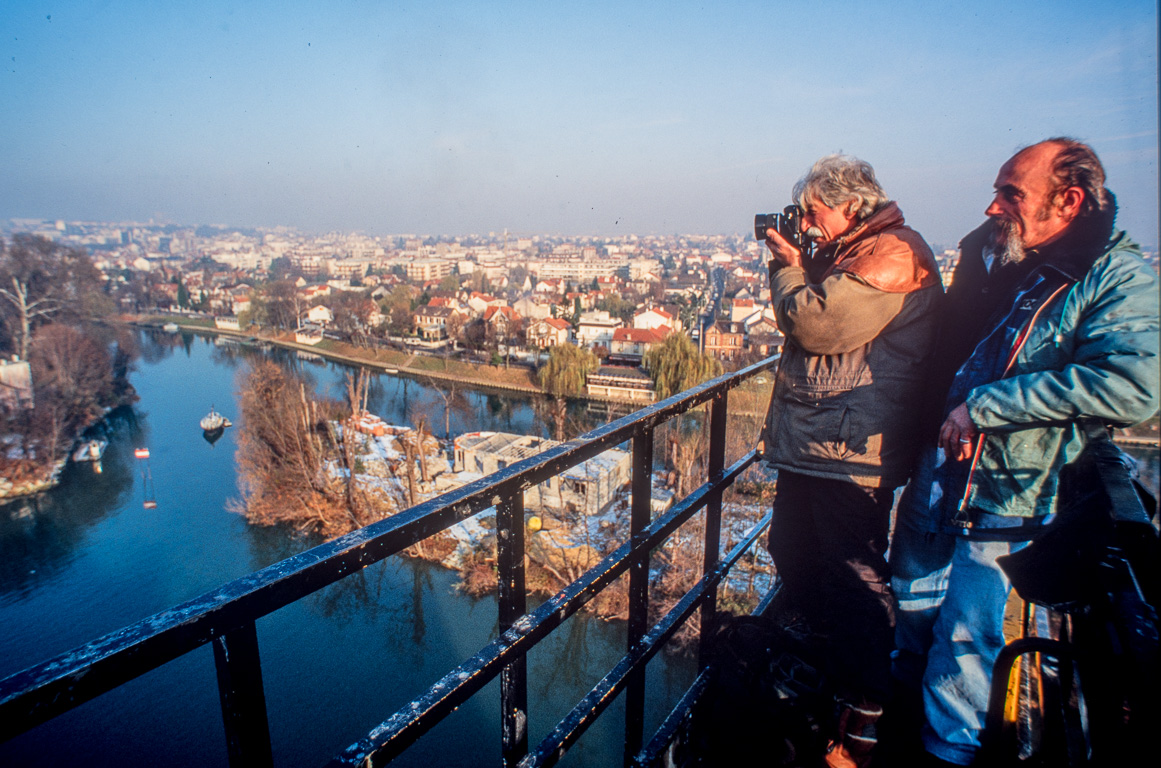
(451, 119)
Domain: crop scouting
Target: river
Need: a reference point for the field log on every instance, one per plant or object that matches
(88, 558)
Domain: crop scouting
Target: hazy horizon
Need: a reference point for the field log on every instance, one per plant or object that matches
(454, 118)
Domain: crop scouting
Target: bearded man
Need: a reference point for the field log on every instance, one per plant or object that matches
(860, 324)
(1051, 334)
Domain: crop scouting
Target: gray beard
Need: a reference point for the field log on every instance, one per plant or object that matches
(814, 233)
(1011, 246)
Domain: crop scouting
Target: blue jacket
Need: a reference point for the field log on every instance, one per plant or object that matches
(1088, 310)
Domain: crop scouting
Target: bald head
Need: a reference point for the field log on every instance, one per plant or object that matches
(1075, 164)
(1043, 189)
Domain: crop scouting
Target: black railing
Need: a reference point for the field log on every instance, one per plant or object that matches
(226, 616)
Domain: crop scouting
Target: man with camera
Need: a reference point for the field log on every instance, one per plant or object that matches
(1051, 334)
(859, 317)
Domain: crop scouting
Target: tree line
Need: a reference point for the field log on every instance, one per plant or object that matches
(52, 304)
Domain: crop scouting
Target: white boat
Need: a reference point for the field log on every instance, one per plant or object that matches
(170, 328)
(214, 421)
(90, 450)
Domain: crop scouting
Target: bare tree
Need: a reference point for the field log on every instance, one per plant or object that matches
(40, 279)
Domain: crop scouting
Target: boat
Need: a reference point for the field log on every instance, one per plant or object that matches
(213, 425)
(170, 328)
(214, 421)
(90, 450)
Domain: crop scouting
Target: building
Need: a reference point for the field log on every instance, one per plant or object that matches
(504, 320)
(596, 329)
(723, 340)
(15, 384)
(549, 332)
(656, 317)
(431, 322)
(422, 270)
(589, 487)
(621, 383)
(635, 342)
(320, 314)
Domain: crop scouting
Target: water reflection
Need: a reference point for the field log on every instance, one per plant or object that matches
(39, 535)
(89, 560)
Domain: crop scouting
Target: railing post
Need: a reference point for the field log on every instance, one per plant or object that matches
(243, 700)
(713, 510)
(640, 515)
(513, 605)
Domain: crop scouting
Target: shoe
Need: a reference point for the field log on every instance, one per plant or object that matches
(856, 736)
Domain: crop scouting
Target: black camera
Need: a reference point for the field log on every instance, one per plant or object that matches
(787, 224)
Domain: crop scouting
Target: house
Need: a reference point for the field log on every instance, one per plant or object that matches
(555, 286)
(588, 488)
(15, 384)
(760, 324)
(431, 322)
(596, 329)
(504, 319)
(312, 292)
(723, 340)
(480, 302)
(653, 318)
(740, 309)
(533, 307)
(635, 342)
(320, 315)
(549, 332)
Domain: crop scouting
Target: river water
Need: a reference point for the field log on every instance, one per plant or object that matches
(88, 558)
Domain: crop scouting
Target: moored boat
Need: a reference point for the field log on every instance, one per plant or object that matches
(90, 450)
(214, 421)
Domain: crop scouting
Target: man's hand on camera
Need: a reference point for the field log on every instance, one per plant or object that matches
(785, 254)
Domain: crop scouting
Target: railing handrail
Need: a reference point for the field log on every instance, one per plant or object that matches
(48, 689)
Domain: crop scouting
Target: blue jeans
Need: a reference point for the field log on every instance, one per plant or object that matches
(950, 597)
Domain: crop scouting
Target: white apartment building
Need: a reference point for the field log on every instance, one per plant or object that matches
(596, 329)
(427, 269)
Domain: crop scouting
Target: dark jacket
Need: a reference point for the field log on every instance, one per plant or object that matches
(859, 333)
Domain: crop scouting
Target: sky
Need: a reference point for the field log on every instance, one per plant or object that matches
(547, 117)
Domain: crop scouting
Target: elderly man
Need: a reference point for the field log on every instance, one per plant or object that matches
(860, 323)
(1051, 331)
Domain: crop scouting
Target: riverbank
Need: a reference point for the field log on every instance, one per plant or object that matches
(29, 480)
(391, 361)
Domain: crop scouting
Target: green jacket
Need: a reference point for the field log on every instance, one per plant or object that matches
(858, 337)
(1090, 315)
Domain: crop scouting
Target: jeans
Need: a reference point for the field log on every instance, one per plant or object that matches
(950, 597)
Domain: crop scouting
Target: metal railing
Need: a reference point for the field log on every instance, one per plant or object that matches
(226, 616)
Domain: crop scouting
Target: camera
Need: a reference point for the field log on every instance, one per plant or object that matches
(786, 224)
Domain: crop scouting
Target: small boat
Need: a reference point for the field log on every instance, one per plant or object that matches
(170, 328)
(90, 450)
(141, 453)
(213, 421)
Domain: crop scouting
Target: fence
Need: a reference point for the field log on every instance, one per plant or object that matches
(226, 616)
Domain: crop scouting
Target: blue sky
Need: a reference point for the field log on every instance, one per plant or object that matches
(606, 118)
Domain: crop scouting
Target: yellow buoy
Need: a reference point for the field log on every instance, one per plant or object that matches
(534, 523)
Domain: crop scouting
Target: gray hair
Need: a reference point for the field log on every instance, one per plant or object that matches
(1077, 165)
(836, 180)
